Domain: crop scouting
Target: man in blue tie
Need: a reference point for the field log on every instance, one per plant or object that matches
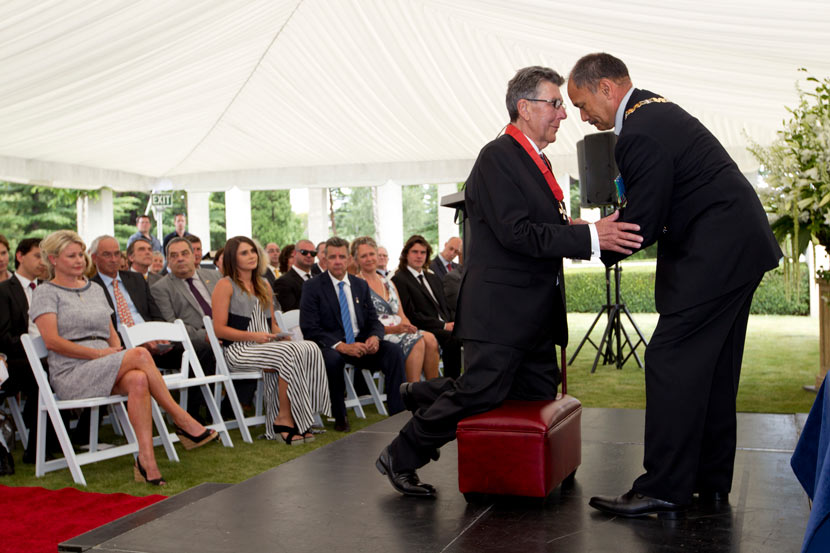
(336, 312)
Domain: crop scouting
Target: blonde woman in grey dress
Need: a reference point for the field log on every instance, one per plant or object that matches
(86, 358)
(293, 373)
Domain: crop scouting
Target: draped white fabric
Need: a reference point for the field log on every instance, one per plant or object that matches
(210, 94)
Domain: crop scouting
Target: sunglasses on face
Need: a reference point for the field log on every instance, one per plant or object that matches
(312, 253)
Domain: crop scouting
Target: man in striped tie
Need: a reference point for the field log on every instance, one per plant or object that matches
(336, 311)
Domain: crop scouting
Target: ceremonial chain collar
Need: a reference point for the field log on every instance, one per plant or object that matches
(647, 101)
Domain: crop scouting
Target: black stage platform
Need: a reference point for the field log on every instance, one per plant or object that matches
(333, 500)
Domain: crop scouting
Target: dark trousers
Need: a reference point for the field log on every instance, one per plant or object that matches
(693, 364)
(450, 352)
(172, 359)
(493, 373)
(388, 359)
(21, 380)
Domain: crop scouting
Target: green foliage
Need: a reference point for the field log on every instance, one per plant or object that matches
(585, 289)
(217, 222)
(272, 219)
(353, 212)
(575, 208)
(35, 211)
(126, 207)
(420, 212)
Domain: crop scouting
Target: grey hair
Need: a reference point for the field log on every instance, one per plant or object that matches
(525, 83)
(93, 247)
(178, 240)
(591, 68)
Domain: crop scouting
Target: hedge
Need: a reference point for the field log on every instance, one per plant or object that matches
(585, 290)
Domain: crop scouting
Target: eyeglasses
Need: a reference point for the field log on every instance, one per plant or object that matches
(556, 102)
(312, 253)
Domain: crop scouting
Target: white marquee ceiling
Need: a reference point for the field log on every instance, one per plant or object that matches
(210, 94)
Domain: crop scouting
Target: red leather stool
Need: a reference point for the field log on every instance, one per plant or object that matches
(523, 448)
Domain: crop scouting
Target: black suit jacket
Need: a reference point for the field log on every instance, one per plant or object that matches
(289, 290)
(139, 291)
(439, 269)
(517, 238)
(14, 317)
(417, 303)
(687, 194)
(320, 312)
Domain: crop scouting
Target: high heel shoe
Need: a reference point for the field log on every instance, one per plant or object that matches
(289, 440)
(141, 475)
(192, 442)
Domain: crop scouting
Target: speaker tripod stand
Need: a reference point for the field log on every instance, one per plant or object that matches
(615, 338)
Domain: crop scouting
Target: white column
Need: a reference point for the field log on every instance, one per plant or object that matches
(198, 217)
(95, 217)
(446, 216)
(318, 214)
(237, 212)
(388, 215)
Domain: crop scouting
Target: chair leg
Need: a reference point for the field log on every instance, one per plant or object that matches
(351, 396)
(22, 431)
(218, 422)
(164, 435)
(373, 390)
(230, 390)
(63, 438)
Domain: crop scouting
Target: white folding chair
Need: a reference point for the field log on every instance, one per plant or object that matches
(50, 406)
(16, 410)
(241, 422)
(291, 323)
(182, 380)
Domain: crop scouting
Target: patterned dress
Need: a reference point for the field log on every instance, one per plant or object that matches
(83, 316)
(300, 364)
(388, 315)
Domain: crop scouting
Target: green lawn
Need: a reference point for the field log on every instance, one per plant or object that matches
(781, 356)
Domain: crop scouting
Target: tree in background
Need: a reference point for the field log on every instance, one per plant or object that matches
(36, 211)
(420, 212)
(217, 222)
(353, 215)
(272, 219)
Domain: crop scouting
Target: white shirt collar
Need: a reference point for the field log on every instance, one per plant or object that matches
(23, 280)
(301, 272)
(336, 282)
(620, 117)
(108, 279)
(535, 147)
(415, 273)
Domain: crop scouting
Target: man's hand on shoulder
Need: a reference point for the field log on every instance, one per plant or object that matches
(618, 236)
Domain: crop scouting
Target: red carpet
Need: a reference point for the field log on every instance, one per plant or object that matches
(34, 520)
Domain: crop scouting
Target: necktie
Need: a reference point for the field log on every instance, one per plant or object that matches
(449, 266)
(32, 285)
(121, 307)
(344, 314)
(199, 298)
(427, 290)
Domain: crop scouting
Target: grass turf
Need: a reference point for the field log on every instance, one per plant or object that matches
(781, 356)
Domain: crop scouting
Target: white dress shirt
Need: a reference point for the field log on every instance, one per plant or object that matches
(33, 331)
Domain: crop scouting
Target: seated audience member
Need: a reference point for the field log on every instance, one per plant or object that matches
(143, 225)
(158, 263)
(124, 263)
(420, 349)
(286, 258)
(289, 287)
(15, 298)
(320, 265)
(4, 259)
(383, 259)
(140, 254)
(218, 258)
(86, 358)
(336, 311)
(422, 297)
(293, 373)
(272, 268)
(132, 303)
(196, 244)
(443, 262)
(179, 230)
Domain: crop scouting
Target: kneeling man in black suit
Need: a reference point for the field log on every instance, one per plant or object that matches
(336, 311)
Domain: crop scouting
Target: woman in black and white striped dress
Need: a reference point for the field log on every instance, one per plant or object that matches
(293, 372)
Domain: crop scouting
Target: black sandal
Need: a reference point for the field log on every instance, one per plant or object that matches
(141, 475)
(289, 440)
(192, 442)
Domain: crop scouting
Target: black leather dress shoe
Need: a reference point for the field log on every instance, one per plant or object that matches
(406, 397)
(710, 497)
(632, 504)
(406, 481)
(342, 425)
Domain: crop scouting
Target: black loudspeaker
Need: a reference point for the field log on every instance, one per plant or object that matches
(597, 169)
